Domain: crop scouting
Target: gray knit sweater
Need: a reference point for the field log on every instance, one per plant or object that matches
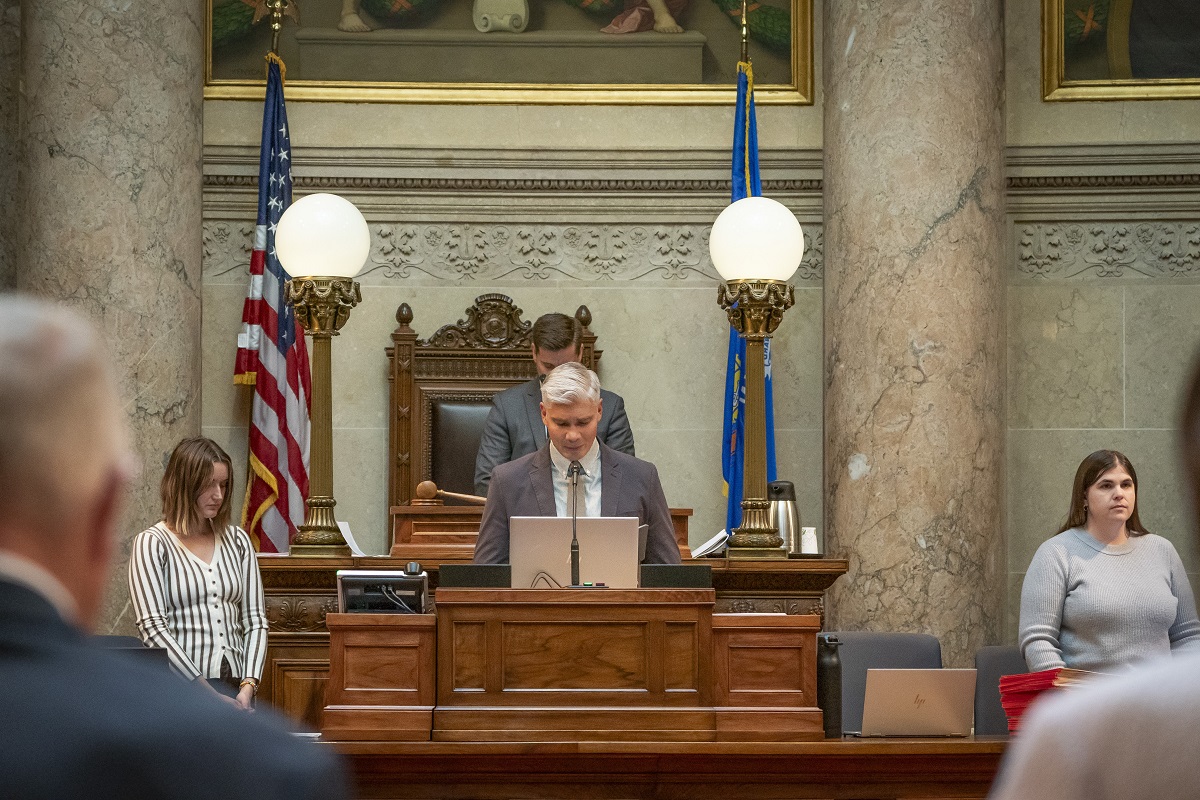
(1088, 606)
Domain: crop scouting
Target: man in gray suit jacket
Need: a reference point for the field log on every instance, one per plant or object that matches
(514, 426)
(611, 483)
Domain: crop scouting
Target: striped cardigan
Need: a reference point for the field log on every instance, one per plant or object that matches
(200, 612)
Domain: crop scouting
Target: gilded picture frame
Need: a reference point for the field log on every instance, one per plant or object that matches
(331, 83)
(1119, 50)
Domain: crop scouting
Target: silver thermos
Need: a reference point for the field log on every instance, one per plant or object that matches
(784, 513)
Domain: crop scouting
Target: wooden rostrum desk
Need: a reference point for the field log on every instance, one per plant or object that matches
(606, 694)
(300, 592)
(567, 665)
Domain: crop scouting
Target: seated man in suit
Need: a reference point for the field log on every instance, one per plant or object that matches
(514, 426)
(80, 721)
(611, 484)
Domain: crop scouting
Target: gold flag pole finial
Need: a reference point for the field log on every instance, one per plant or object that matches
(278, 9)
(276, 24)
(745, 35)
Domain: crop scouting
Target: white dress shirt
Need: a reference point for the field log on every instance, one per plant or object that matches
(589, 482)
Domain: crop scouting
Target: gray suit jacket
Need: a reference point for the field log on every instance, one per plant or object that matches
(629, 487)
(514, 428)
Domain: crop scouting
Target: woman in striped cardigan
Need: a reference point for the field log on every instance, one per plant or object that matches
(194, 578)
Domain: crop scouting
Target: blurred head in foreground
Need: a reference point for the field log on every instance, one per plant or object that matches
(64, 449)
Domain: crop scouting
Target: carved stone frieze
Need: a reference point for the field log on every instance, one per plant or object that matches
(299, 613)
(227, 247)
(500, 252)
(1138, 250)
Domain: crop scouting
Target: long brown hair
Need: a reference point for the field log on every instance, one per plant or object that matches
(1090, 470)
(188, 472)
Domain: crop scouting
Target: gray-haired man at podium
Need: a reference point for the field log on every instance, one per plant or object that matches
(514, 426)
(612, 484)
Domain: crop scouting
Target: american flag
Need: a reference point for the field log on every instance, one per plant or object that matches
(272, 355)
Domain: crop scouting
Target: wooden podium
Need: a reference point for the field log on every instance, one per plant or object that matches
(572, 665)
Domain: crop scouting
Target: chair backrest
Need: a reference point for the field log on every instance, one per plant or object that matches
(441, 389)
(863, 650)
(134, 646)
(991, 664)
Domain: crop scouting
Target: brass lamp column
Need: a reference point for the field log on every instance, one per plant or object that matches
(322, 307)
(756, 245)
(755, 309)
(324, 239)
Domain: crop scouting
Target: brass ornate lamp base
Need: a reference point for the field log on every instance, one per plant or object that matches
(319, 536)
(756, 538)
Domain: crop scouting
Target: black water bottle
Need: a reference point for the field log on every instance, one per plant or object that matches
(829, 683)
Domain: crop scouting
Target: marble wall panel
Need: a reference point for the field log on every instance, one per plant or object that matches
(1065, 356)
(1162, 336)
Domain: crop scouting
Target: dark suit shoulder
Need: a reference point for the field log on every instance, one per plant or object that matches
(100, 724)
(517, 392)
(624, 460)
(516, 468)
(610, 397)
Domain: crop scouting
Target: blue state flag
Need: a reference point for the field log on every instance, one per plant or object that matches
(746, 183)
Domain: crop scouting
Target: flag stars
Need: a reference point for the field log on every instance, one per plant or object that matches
(275, 202)
(283, 155)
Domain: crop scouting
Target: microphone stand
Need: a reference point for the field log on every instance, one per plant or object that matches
(573, 477)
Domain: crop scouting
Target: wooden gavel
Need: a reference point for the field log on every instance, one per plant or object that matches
(428, 494)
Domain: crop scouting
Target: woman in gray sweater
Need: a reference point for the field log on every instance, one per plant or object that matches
(1105, 592)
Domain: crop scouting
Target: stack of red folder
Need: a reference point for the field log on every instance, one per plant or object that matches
(1017, 692)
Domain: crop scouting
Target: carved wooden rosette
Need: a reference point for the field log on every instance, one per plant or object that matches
(322, 306)
(755, 309)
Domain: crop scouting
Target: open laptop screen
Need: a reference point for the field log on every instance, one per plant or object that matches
(539, 550)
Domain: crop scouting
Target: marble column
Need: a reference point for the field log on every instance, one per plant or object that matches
(914, 317)
(110, 208)
(10, 71)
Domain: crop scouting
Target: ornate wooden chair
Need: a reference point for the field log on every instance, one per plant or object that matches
(441, 389)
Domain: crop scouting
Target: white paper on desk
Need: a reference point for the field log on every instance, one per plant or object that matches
(713, 545)
(344, 527)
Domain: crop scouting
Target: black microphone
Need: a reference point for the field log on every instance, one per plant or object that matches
(573, 479)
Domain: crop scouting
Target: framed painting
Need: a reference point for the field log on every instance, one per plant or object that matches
(515, 51)
(1120, 49)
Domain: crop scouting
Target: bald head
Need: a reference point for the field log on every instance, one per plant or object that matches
(63, 441)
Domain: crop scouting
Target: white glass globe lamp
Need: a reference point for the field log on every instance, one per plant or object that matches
(322, 236)
(756, 239)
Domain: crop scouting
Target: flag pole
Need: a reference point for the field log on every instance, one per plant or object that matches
(745, 35)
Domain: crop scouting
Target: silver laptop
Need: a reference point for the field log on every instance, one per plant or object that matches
(539, 551)
(919, 702)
